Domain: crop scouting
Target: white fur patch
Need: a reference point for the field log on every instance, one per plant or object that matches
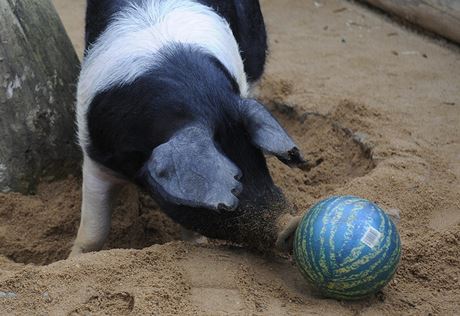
(130, 45)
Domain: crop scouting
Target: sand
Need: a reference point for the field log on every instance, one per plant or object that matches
(377, 105)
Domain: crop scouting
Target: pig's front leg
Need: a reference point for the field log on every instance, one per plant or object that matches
(99, 191)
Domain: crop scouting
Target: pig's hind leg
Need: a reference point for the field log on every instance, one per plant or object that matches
(99, 191)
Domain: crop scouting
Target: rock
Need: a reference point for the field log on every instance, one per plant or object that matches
(7, 295)
(38, 74)
(46, 297)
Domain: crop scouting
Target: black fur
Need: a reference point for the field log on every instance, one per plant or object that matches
(248, 27)
(98, 15)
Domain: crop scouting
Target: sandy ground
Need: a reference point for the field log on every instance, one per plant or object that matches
(387, 128)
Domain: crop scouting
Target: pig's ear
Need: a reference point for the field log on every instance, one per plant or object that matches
(189, 170)
(267, 134)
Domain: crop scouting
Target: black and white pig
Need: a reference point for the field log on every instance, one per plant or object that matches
(163, 101)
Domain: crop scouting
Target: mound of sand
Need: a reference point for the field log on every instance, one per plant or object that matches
(380, 125)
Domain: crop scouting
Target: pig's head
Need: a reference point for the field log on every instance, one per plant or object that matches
(211, 174)
(184, 132)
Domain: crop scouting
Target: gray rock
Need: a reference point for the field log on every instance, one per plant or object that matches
(47, 297)
(38, 75)
(7, 295)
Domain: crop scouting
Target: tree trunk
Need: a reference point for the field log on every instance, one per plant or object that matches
(38, 73)
(439, 16)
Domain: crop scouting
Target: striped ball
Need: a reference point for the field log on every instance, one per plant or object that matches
(347, 247)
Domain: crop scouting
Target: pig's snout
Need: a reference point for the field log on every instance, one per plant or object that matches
(286, 228)
(213, 178)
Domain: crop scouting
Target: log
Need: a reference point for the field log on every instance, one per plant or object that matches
(38, 73)
(439, 16)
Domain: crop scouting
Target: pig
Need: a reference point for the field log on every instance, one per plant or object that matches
(164, 101)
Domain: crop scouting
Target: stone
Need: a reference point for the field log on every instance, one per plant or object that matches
(38, 76)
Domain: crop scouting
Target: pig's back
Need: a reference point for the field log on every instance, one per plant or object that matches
(244, 17)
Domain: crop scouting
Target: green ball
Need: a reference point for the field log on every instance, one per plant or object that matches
(347, 247)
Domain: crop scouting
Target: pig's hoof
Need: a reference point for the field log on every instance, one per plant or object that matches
(76, 251)
(193, 237)
(287, 227)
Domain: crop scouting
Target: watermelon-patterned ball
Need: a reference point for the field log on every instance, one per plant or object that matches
(347, 247)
